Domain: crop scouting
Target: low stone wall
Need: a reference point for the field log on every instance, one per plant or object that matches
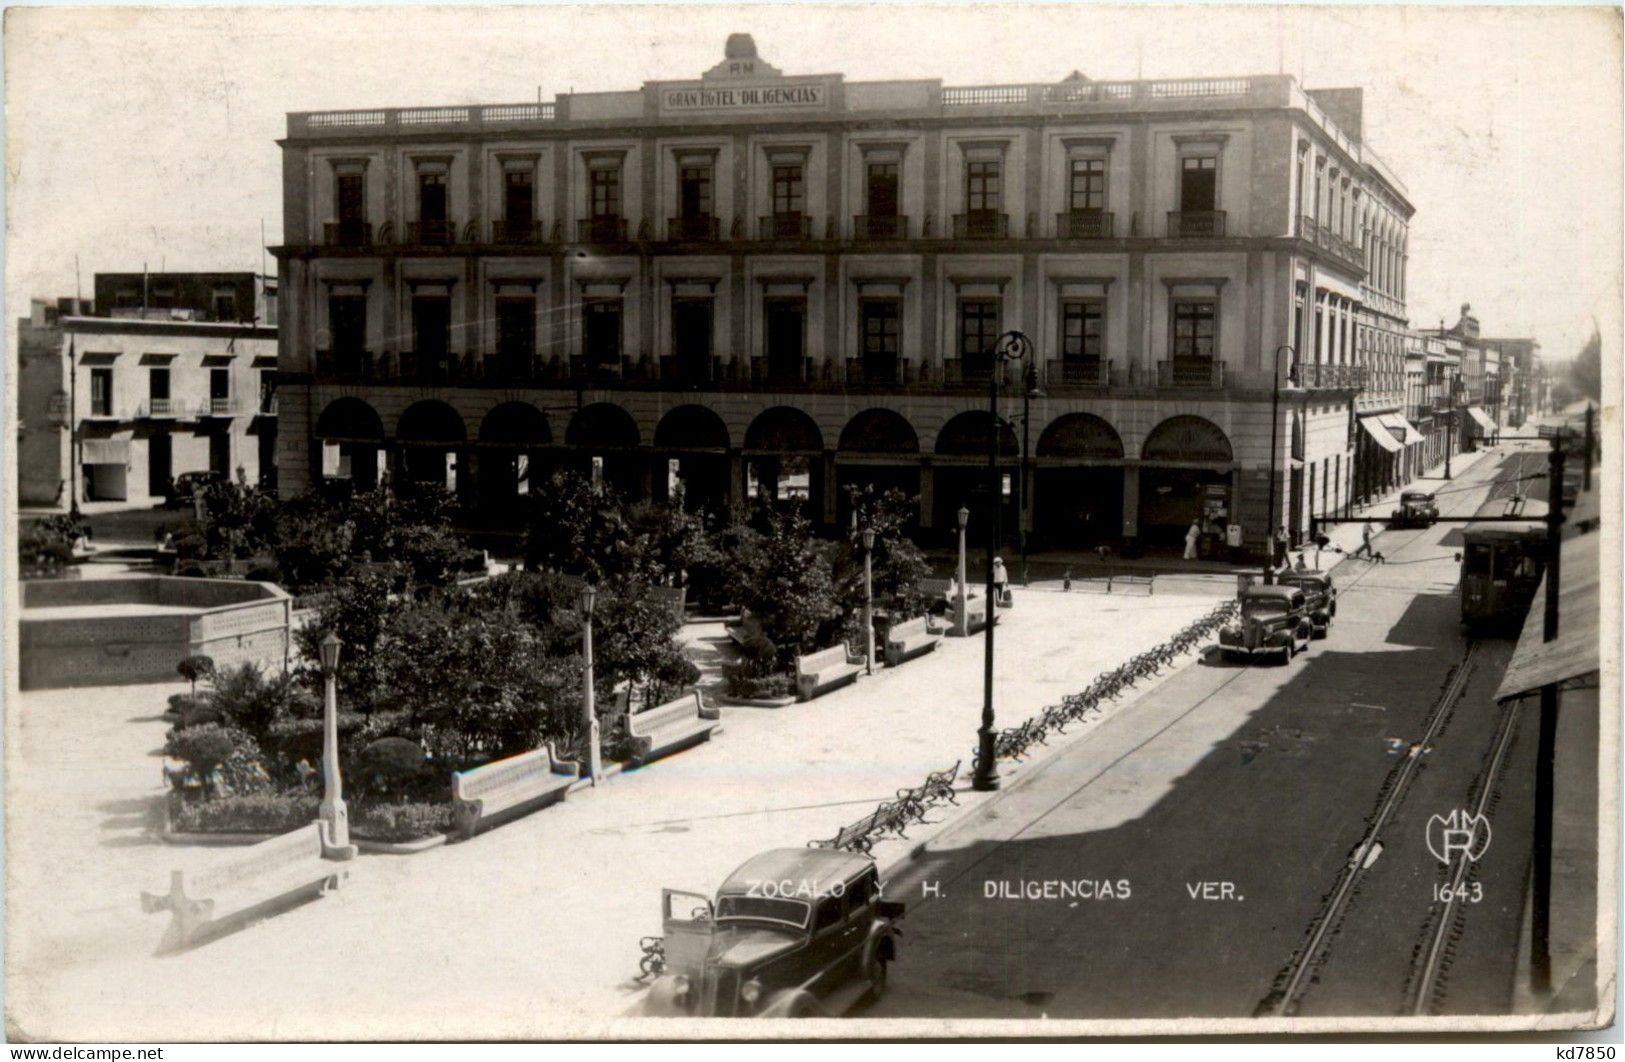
(231, 621)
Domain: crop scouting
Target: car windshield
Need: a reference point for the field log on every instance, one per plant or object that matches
(1267, 606)
(763, 909)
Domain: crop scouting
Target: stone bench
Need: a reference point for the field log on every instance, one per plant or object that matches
(254, 882)
(671, 727)
(818, 673)
(975, 616)
(909, 639)
(529, 780)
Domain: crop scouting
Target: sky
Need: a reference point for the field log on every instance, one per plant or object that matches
(142, 136)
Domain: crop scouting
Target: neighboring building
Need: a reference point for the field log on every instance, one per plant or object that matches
(1520, 377)
(113, 405)
(1434, 369)
(735, 280)
(1479, 390)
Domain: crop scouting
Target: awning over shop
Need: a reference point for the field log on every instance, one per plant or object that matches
(104, 452)
(1412, 434)
(1573, 655)
(1381, 434)
(1482, 419)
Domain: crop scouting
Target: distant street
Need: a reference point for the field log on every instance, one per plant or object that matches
(1199, 833)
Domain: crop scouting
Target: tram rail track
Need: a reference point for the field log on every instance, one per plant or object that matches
(1427, 990)
(1293, 983)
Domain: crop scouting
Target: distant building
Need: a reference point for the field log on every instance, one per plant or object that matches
(170, 373)
(732, 280)
(1521, 374)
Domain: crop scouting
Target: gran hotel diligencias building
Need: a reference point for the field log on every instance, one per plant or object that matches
(755, 279)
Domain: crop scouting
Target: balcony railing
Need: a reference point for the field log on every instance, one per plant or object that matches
(783, 372)
(1083, 225)
(693, 227)
(1091, 372)
(1183, 224)
(221, 407)
(160, 408)
(346, 364)
(517, 232)
(431, 232)
(437, 368)
(872, 371)
(784, 227)
(963, 372)
(880, 226)
(1190, 372)
(688, 372)
(981, 225)
(604, 229)
(1333, 377)
(347, 233)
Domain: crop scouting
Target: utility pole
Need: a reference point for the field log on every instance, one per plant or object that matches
(1591, 414)
(1541, 915)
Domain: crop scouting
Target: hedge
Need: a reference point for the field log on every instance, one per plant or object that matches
(282, 812)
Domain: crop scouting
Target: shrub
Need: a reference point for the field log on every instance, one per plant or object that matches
(264, 812)
(395, 823)
(219, 759)
(263, 570)
(388, 767)
(182, 705)
(195, 667)
(755, 687)
(252, 700)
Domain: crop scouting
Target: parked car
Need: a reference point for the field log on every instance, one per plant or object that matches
(1319, 594)
(1417, 508)
(1274, 619)
(187, 484)
(794, 932)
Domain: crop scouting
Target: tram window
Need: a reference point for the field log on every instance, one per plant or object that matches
(1510, 565)
(1478, 560)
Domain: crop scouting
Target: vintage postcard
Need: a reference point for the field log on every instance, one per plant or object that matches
(640, 522)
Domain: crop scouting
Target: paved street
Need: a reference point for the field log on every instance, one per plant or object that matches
(530, 923)
(1221, 812)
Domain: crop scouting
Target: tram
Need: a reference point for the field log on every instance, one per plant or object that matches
(1501, 566)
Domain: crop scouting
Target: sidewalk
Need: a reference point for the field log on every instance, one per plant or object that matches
(532, 924)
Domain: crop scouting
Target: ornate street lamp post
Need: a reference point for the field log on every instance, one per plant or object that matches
(1274, 518)
(589, 598)
(1016, 347)
(1030, 391)
(961, 620)
(332, 810)
(868, 601)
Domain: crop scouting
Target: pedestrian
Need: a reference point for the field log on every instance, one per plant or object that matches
(1191, 537)
(1366, 535)
(1300, 566)
(1001, 578)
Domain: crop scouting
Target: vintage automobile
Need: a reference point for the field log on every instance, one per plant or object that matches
(1274, 619)
(1319, 595)
(794, 932)
(1417, 508)
(186, 486)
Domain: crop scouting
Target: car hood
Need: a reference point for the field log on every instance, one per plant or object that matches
(743, 947)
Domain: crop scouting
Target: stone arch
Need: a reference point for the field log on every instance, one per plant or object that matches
(349, 418)
(602, 425)
(691, 427)
(1080, 435)
(966, 435)
(1187, 438)
(515, 424)
(879, 431)
(431, 421)
(784, 429)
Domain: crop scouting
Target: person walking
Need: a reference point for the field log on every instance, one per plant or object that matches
(1366, 535)
(1001, 579)
(1191, 538)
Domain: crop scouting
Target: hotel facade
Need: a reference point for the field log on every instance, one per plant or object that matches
(753, 282)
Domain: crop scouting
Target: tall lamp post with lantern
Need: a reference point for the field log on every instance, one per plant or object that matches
(868, 601)
(1012, 346)
(332, 810)
(589, 600)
